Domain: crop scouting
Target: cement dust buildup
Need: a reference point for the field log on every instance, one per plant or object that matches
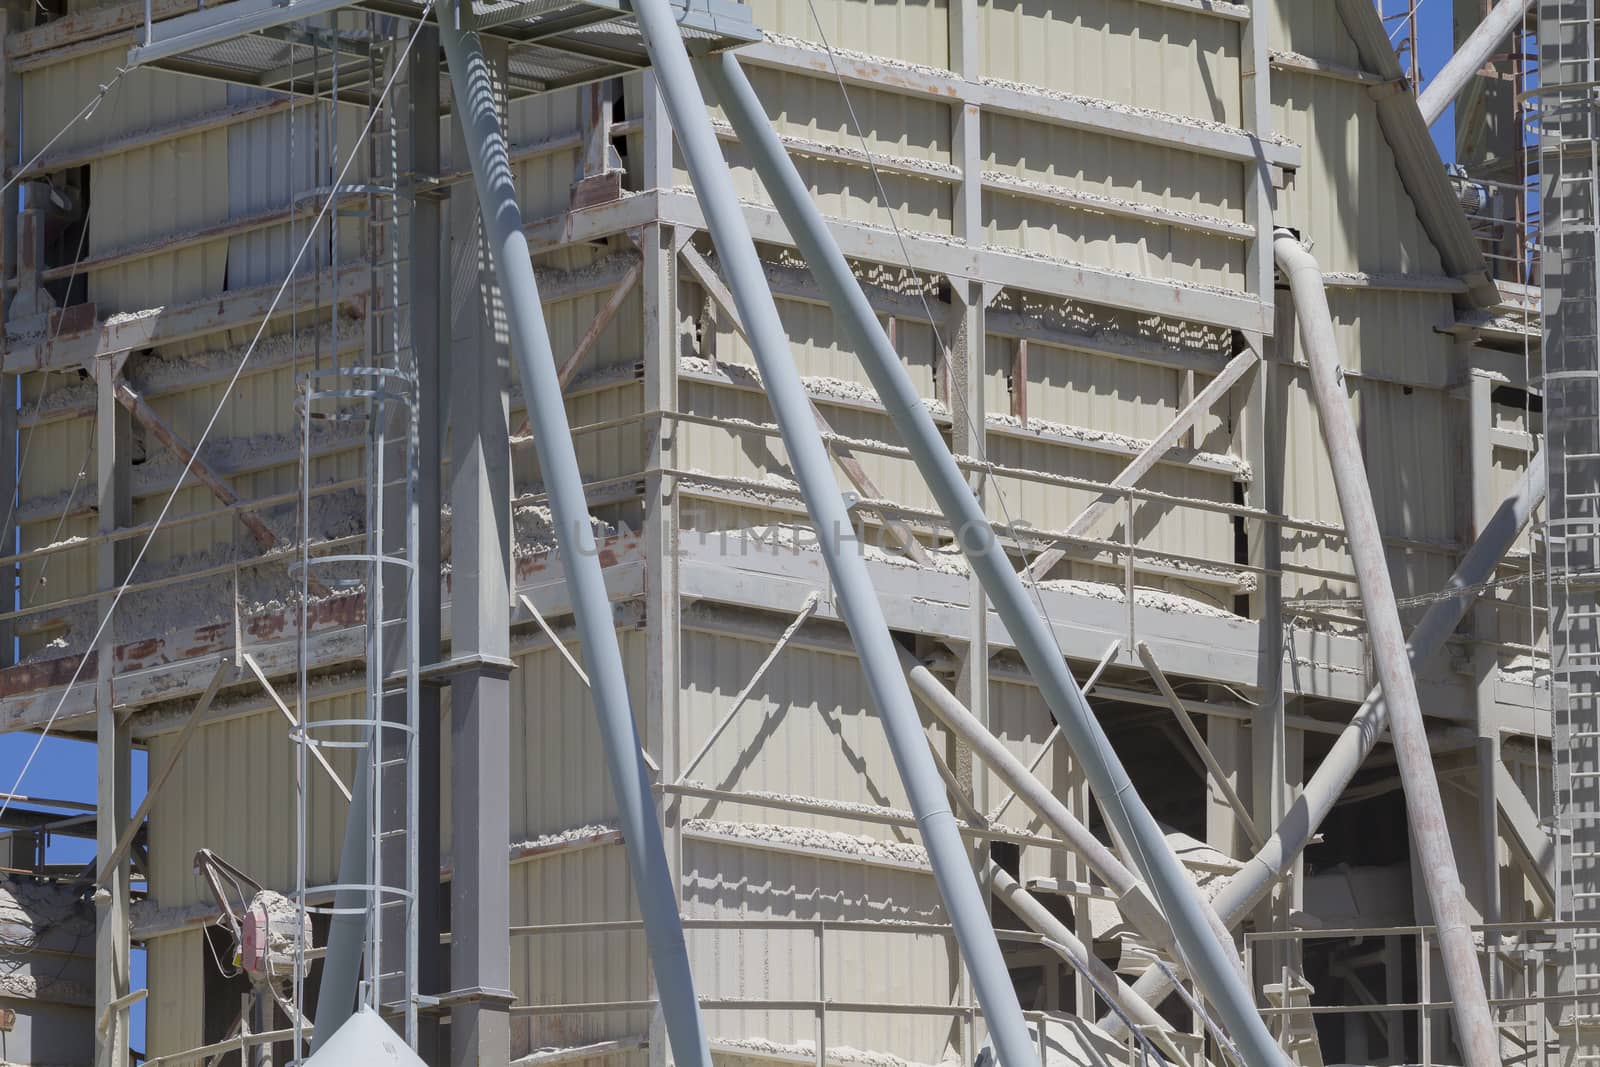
(760, 1048)
(810, 839)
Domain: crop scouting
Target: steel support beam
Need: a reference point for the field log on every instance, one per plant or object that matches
(1430, 834)
(836, 536)
(113, 744)
(480, 574)
(427, 250)
(479, 108)
(1469, 59)
(1079, 956)
(1214, 964)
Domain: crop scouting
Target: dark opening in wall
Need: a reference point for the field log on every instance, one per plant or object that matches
(66, 236)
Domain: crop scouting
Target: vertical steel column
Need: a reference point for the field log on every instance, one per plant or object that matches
(10, 114)
(480, 584)
(479, 111)
(1215, 969)
(425, 254)
(969, 915)
(1430, 835)
(113, 745)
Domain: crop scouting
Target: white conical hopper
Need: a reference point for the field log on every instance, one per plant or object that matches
(365, 1041)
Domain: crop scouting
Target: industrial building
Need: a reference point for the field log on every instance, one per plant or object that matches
(933, 589)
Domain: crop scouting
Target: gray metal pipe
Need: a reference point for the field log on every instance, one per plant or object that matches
(1215, 968)
(1077, 954)
(1469, 58)
(858, 604)
(1132, 897)
(347, 927)
(1245, 889)
(1430, 835)
(473, 83)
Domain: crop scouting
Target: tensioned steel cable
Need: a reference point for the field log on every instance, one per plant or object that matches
(83, 113)
(227, 392)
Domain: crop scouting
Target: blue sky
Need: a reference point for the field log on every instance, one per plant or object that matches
(64, 769)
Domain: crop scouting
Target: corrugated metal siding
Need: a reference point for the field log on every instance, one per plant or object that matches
(821, 348)
(173, 1015)
(545, 182)
(1315, 30)
(895, 127)
(1089, 162)
(1347, 196)
(1146, 247)
(750, 454)
(917, 31)
(808, 728)
(559, 779)
(725, 880)
(276, 160)
(137, 196)
(588, 886)
(143, 99)
(234, 791)
(1174, 61)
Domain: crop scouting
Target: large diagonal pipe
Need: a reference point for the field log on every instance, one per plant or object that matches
(1430, 835)
(858, 603)
(1133, 899)
(1244, 890)
(1215, 967)
(1470, 57)
(472, 80)
(1079, 956)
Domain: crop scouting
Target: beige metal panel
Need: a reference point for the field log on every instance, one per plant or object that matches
(278, 159)
(847, 191)
(1185, 63)
(617, 351)
(1411, 465)
(558, 768)
(544, 184)
(233, 791)
(613, 452)
(917, 31)
(742, 452)
(1314, 30)
(1147, 247)
(1388, 334)
(806, 729)
(1157, 527)
(138, 196)
(725, 880)
(145, 98)
(1347, 196)
(588, 886)
(173, 973)
(896, 128)
(1083, 389)
(1019, 717)
(821, 348)
(812, 108)
(1087, 162)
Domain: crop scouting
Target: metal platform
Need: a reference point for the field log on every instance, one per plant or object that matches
(302, 46)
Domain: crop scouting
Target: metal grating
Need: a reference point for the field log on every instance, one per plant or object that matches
(302, 46)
